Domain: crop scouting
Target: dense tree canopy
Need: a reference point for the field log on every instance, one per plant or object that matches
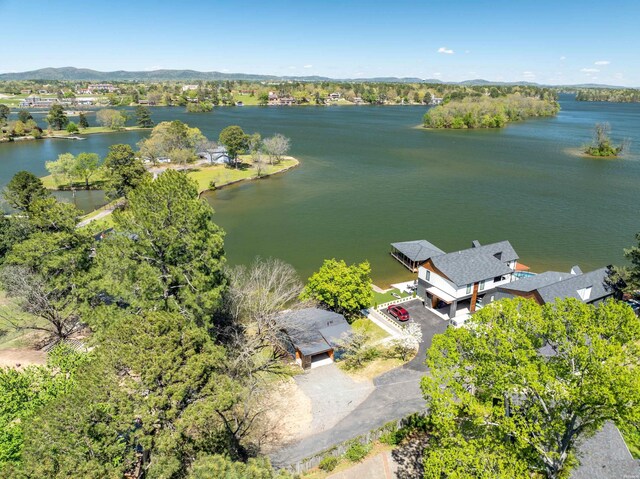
(174, 140)
(24, 393)
(487, 112)
(143, 117)
(345, 289)
(123, 171)
(113, 119)
(166, 254)
(23, 189)
(234, 140)
(57, 118)
(522, 383)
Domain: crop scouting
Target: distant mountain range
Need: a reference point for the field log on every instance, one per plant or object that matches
(85, 74)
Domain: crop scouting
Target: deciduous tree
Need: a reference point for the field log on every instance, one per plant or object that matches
(234, 140)
(113, 119)
(524, 383)
(342, 288)
(276, 147)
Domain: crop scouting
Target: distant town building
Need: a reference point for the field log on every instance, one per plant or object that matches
(189, 87)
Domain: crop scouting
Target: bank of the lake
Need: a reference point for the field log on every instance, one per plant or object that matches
(208, 177)
(368, 178)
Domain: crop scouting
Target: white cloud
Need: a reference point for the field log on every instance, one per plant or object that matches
(292, 67)
(563, 57)
(602, 62)
(446, 50)
(308, 66)
(437, 74)
(589, 70)
(155, 67)
(225, 70)
(528, 75)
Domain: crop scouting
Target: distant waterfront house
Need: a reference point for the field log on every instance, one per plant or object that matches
(34, 101)
(435, 101)
(102, 87)
(189, 87)
(217, 156)
(590, 288)
(335, 96)
(357, 100)
(454, 285)
(314, 335)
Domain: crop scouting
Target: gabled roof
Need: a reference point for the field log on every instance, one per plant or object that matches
(419, 250)
(531, 283)
(568, 288)
(605, 456)
(477, 263)
(314, 331)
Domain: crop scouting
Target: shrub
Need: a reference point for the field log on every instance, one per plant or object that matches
(357, 451)
(328, 463)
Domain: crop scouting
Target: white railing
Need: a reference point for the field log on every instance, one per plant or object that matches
(395, 301)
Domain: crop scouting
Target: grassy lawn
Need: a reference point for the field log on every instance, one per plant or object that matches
(378, 366)
(632, 438)
(368, 326)
(221, 174)
(91, 130)
(52, 183)
(246, 99)
(379, 298)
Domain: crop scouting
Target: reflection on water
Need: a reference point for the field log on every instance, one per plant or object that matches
(368, 178)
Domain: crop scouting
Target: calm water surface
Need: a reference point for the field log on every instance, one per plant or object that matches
(368, 178)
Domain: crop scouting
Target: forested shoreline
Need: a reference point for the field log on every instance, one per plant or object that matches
(618, 95)
(488, 112)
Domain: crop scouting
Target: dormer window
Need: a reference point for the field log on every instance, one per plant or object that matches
(585, 293)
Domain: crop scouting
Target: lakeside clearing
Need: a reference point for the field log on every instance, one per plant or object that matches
(208, 177)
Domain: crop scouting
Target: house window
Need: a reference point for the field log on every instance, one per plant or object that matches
(481, 286)
(427, 275)
(468, 289)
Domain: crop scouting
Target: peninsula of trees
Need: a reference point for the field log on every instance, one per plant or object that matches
(493, 111)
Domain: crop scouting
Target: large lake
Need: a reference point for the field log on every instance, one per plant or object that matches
(368, 178)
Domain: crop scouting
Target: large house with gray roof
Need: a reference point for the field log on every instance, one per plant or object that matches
(590, 288)
(454, 284)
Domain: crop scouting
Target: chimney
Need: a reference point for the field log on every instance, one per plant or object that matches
(575, 270)
(475, 244)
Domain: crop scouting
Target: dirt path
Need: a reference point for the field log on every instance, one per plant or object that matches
(20, 358)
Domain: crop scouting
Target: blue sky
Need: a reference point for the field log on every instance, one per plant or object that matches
(555, 42)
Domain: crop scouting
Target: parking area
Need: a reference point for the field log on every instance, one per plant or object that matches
(430, 325)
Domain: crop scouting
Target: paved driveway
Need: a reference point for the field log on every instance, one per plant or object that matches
(397, 394)
(333, 394)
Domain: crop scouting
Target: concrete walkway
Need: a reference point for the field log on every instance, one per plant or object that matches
(397, 394)
(98, 216)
